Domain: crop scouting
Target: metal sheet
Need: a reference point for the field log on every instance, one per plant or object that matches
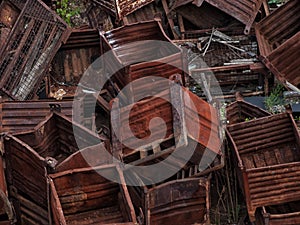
(84, 196)
(29, 49)
(278, 38)
(267, 150)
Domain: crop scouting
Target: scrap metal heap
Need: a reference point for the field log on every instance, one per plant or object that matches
(50, 175)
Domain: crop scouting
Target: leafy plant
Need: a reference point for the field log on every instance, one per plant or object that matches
(276, 1)
(65, 11)
(275, 99)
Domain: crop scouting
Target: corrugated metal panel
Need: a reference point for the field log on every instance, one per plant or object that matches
(278, 38)
(20, 116)
(84, 196)
(26, 54)
(243, 10)
(126, 7)
(267, 150)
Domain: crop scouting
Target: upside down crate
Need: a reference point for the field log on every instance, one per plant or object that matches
(184, 119)
(185, 201)
(34, 33)
(267, 154)
(30, 155)
(138, 51)
(278, 40)
(86, 196)
(287, 214)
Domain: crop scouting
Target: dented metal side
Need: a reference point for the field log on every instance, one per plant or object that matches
(278, 38)
(86, 196)
(29, 49)
(267, 153)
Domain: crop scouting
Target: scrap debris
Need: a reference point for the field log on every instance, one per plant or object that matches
(220, 56)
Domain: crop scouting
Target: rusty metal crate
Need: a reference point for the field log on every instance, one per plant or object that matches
(85, 196)
(134, 50)
(240, 110)
(35, 35)
(287, 214)
(278, 38)
(267, 157)
(72, 60)
(30, 155)
(187, 200)
(180, 125)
